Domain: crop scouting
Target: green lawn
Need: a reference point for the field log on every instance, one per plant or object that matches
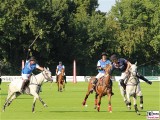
(67, 105)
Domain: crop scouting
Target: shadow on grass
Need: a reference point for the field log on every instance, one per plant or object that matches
(132, 111)
(24, 98)
(60, 111)
(4, 94)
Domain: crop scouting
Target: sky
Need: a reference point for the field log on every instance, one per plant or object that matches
(105, 5)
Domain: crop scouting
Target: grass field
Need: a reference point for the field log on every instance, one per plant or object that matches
(67, 105)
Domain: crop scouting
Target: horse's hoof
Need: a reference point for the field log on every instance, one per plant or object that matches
(126, 102)
(45, 105)
(95, 107)
(112, 94)
(110, 111)
(129, 108)
(138, 113)
(98, 108)
(141, 108)
(83, 103)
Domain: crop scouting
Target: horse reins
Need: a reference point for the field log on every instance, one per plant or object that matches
(47, 77)
(36, 81)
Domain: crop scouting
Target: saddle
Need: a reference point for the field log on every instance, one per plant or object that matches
(101, 82)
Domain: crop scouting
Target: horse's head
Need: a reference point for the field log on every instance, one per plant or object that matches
(47, 74)
(133, 69)
(107, 74)
(108, 68)
(63, 70)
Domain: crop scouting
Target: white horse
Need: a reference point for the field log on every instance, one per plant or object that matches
(131, 87)
(133, 71)
(34, 88)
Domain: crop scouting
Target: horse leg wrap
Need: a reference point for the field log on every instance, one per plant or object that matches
(84, 102)
(86, 97)
(33, 107)
(141, 99)
(128, 103)
(141, 102)
(135, 107)
(95, 102)
(110, 108)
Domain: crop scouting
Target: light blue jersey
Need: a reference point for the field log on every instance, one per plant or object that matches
(60, 67)
(103, 64)
(28, 68)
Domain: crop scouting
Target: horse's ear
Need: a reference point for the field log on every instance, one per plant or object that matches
(135, 63)
(44, 68)
(47, 68)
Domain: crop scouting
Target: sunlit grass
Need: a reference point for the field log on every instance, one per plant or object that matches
(67, 105)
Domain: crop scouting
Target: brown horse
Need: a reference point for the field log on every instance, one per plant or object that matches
(60, 81)
(103, 87)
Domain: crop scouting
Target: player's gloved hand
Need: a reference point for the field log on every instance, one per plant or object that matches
(101, 68)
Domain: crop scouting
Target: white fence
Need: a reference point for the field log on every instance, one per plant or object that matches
(79, 78)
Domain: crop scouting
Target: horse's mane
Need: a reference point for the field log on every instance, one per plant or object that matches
(108, 68)
(63, 70)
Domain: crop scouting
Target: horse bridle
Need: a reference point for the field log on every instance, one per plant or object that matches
(50, 79)
(47, 78)
(133, 76)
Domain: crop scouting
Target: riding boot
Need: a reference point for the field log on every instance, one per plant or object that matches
(111, 84)
(122, 84)
(23, 86)
(94, 85)
(95, 82)
(56, 78)
(144, 79)
(65, 79)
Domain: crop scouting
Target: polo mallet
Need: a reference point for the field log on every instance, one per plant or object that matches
(40, 32)
(51, 85)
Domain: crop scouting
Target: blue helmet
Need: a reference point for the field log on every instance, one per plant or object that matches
(113, 57)
(32, 58)
(104, 53)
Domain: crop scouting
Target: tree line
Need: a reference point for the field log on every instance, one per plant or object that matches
(67, 30)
